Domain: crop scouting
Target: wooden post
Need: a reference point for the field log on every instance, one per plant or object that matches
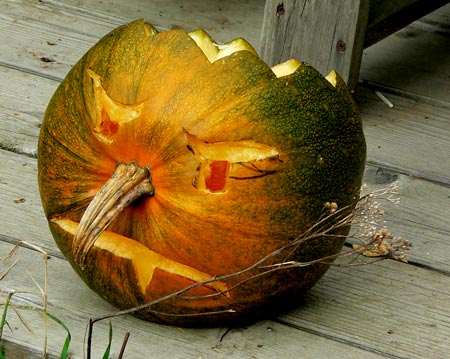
(328, 34)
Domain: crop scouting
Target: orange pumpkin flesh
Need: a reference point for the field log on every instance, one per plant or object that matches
(166, 160)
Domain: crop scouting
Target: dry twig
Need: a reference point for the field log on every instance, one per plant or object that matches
(370, 238)
(42, 290)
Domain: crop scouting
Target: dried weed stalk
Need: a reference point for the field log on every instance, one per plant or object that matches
(43, 290)
(372, 238)
(369, 237)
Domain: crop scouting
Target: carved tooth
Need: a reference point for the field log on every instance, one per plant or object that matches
(205, 43)
(149, 29)
(332, 78)
(285, 68)
(214, 51)
(234, 46)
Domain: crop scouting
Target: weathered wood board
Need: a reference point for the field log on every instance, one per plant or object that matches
(418, 61)
(381, 304)
(411, 137)
(38, 33)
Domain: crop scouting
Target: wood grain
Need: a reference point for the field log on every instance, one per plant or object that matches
(411, 137)
(37, 38)
(13, 350)
(224, 20)
(23, 99)
(22, 216)
(395, 308)
(63, 31)
(327, 37)
(417, 60)
(425, 223)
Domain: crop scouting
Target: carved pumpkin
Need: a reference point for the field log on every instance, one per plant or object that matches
(166, 160)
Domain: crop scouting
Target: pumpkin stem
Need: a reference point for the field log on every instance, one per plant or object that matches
(128, 183)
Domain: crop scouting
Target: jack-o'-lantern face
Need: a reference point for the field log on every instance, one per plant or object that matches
(166, 160)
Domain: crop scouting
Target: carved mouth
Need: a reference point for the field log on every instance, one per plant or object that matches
(145, 261)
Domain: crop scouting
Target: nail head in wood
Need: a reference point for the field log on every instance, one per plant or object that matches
(340, 46)
(280, 9)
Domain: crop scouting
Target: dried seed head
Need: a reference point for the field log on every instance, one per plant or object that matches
(331, 206)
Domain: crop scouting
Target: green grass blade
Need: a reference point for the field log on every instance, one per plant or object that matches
(65, 350)
(5, 311)
(108, 348)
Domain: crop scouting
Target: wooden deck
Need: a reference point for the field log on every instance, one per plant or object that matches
(385, 310)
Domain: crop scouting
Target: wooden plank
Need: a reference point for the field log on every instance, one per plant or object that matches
(422, 215)
(328, 37)
(13, 350)
(397, 309)
(388, 16)
(415, 59)
(43, 43)
(436, 22)
(224, 20)
(43, 39)
(28, 26)
(73, 303)
(411, 137)
(23, 218)
(23, 99)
